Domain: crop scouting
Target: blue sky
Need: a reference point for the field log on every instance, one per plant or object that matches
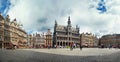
(95, 16)
(4, 6)
(101, 6)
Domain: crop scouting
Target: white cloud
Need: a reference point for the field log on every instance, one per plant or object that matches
(40, 15)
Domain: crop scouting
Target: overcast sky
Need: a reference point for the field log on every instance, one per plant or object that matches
(95, 16)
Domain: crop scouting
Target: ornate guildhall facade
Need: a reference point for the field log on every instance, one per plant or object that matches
(11, 33)
(40, 40)
(65, 35)
(88, 40)
(36, 40)
(48, 39)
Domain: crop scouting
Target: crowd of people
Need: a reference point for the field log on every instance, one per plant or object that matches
(73, 46)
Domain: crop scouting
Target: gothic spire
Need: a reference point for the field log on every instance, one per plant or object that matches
(7, 18)
(69, 18)
(55, 23)
(69, 22)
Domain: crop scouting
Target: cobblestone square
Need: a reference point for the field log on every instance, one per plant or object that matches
(60, 55)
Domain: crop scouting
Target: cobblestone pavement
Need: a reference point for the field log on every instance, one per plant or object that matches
(60, 55)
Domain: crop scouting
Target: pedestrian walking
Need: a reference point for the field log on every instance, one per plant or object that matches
(74, 45)
(71, 46)
(48, 46)
(110, 46)
(55, 46)
(80, 47)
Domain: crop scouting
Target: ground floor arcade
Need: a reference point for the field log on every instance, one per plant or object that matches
(66, 44)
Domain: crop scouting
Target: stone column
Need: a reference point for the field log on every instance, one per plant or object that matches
(65, 44)
(62, 43)
(58, 43)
